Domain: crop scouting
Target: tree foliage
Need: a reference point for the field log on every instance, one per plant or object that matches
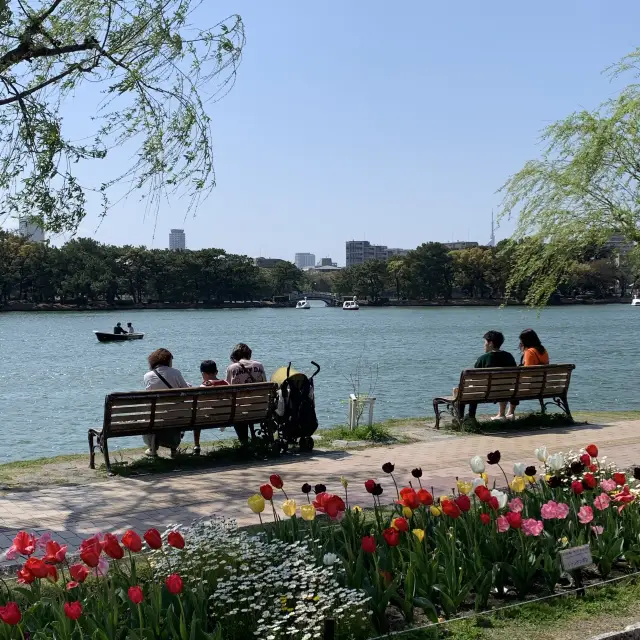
(153, 72)
(583, 188)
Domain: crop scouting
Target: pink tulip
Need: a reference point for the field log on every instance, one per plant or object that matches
(516, 505)
(597, 530)
(549, 510)
(502, 524)
(532, 527)
(585, 515)
(562, 511)
(602, 502)
(608, 485)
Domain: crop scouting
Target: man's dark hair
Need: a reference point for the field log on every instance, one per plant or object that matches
(160, 357)
(495, 338)
(209, 366)
(240, 352)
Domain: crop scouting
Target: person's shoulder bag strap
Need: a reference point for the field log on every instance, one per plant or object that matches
(162, 378)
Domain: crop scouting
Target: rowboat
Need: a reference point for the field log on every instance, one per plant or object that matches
(117, 337)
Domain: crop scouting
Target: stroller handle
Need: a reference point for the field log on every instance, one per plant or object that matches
(317, 371)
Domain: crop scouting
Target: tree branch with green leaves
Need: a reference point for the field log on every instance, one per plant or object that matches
(153, 73)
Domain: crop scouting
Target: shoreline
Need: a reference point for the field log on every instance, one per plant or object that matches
(156, 306)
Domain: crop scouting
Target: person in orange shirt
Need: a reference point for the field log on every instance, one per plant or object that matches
(533, 354)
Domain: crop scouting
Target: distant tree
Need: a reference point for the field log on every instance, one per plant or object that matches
(585, 187)
(397, 268)
(286, 277)
(153, 73)
(430, 271)
(371, 278)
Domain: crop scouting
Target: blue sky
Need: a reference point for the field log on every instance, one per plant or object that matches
(392, 122)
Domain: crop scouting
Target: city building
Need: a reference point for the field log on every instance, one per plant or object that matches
(267, 263)
(303, 260)
(30, 230)
(177, 240)
(397, 252)
(457, 246)
(359, 251)
(327, 262)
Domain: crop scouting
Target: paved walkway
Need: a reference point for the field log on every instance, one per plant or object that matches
(73, 513)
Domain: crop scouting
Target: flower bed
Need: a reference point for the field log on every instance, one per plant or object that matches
(440, 555)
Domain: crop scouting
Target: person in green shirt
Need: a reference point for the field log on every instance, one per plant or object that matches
(492, 357)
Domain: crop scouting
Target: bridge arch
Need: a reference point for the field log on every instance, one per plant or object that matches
(329, 299)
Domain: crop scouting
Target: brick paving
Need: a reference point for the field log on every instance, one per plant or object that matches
(75, 512)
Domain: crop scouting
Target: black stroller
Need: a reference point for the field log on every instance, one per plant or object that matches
(295, 414)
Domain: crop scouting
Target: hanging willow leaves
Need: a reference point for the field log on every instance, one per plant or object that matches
(584, 188)
(151, 72)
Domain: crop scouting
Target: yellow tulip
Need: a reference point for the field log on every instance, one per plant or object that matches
(356, 509)
(289, 508)
(547, 477)
(406, 512)
(485, 477)
(444, 498)
(256, 503)
(435, 511)
(464, 487)
(308, 512)
(418, 533)
(531, 479)
(517, 484)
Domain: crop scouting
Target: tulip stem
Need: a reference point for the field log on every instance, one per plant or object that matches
(504, 474)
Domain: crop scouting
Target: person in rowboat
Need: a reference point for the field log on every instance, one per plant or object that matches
(118, 329)
(130, 328)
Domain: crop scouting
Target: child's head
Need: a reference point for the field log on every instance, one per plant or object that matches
(209, 370)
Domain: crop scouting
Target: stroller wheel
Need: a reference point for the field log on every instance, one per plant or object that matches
(306, 443)
(277, 447)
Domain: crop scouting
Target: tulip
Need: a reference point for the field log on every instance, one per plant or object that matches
(329, 559)
(620, 479)
(519, 468)
(493, 503)
(132, 541)
(556, 462)
(516, 505)
(585, 515)
(501, 497)
(344, 482)
(483, 493)
(417, 472)
(409, 498)
(78, 572)
(493, 457)
(25, 576)
(368, 544)
(464, 487)
(266, 491)
(256, 503)
(477, 464)
(478, 482)
(514, 519)
(306, 488)
(289, 508)
(636, 473)
(598, 531)
(424, 497)
(585, 458)
(135, 594)
(576, 487)
(530, 471)
(377, 489)
(54, 553)
(276, 481)
(153, 538)
(435, 511)
(370, 485)
(542, 454)
(589, 481)
(24, 543)
(400, 524)
(356, 509)
(112, 547)
(388, 467)
(406, 512)
(518, 484)
(308, 512)
(592, 450)
(72, 585)
(73, 610)
(602, 502)
(173, 584)
(418, 533)
(608, 485)
(175, 540)
(10, 613)
(485, 518)
(391, 536)
(532, 527)
(52, 573)
(451, 509)
(576, 467)
(37, 567)
(463, 502)
(502, 524)
(319, 488)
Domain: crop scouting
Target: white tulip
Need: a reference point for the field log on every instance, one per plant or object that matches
(556, 462)
(502, 498)
(329, 559)
(542, 454)
(477, 482)
(518, 468)
(477, 464)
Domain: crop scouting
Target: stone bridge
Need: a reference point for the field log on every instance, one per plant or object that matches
(329, 299)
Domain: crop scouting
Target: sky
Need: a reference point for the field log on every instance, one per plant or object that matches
(391, 122)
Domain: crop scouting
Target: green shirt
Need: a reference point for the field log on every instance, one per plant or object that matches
(495, 359)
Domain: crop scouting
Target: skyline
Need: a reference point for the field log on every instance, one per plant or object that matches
(337, 133)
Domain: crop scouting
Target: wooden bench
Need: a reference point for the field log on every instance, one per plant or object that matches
(141, 413)
(480, 386)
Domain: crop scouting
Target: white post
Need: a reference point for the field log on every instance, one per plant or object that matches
(372, 401)
(353, 411)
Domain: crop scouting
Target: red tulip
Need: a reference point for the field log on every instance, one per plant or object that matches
(153, 539)
(493, 502)
(450, 508)
(78, 572)
(483, 494)
(576, 487)
(73, 610)
(592, 450)
(52, 573)
(585, 458)
(369, 485)
(425, 497)
(276, 481)
(463, 502)
(25, 576)
(514, 519)
(174, 584)
(25, 543)
(485, 518)
(132, 541)
(409, 498)
(135, 595)
(330, 504)
(54, 553)
(593, 468)
(72, 585)
(400, 524)
(619, 479)
(90, 550)
(10, 613)
(112, 547)
(175, 540)
(37, 567)
(368, 544)
(391, 536)
(589, 480)
(266, 491)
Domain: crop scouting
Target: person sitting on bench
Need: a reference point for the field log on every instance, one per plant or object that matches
(209, 371)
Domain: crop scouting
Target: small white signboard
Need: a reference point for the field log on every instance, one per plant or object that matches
(576, 558)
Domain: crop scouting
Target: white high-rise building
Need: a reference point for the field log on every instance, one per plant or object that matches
(177, 240)
(30, 230)
(303, 260)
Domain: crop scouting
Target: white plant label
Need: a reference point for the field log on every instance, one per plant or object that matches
(576, 558)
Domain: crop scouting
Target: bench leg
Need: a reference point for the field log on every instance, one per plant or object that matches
(105, 451)
(564, 404)
(436, 408)
(543, 406)
(92, 446)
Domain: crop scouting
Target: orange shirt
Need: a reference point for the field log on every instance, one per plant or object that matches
(533, 357)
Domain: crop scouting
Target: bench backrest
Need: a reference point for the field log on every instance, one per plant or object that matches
(142, 412)
(514, 383)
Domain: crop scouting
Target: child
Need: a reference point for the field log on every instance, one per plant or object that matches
(209, 371)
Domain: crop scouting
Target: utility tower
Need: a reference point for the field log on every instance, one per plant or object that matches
(492, 241)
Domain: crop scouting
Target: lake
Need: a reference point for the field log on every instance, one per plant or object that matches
(55, 373)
